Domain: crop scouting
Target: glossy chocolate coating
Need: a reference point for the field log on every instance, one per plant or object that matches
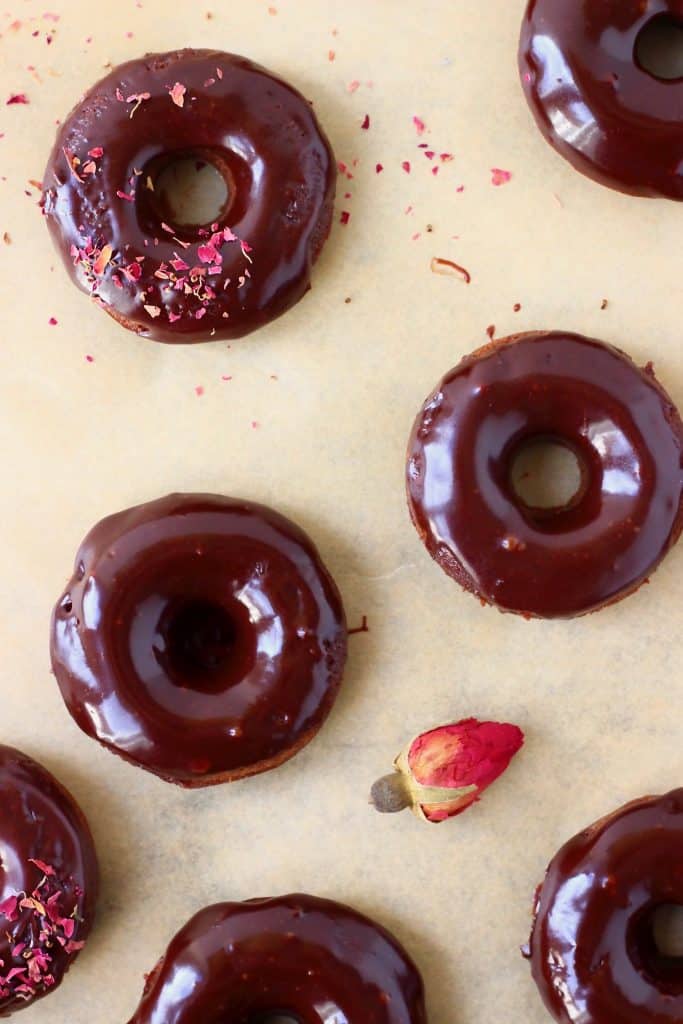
(594, 103)
(575, 391)
(200, 637)
(39, 820)
(301, 956)
(593, 954)
(259, 133)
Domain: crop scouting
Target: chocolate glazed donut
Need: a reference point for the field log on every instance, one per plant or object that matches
(178, 282)
(594, 102)
(593, 952)
(308, 958)
(48, 881)
(200, 637)
(576, 392)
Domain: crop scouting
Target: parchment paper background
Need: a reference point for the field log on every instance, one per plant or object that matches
(599, 698)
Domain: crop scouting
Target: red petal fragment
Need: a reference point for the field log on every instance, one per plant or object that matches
(209, 254)
(177, 94)
(133, 271)
(419, 125)
(8, 908)
(17, 97)
(15, 972)
(500, 177)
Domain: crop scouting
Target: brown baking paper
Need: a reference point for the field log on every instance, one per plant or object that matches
(314, 420)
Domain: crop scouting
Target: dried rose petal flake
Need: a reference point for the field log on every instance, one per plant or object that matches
(177, 94)
(500, 177)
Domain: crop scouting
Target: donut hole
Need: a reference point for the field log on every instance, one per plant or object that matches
(656, 943)
(667, 931)
(190, 191)
(200, 639)
(546, 475)
(659, 48)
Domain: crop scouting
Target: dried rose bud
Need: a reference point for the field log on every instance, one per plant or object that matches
(443, 771)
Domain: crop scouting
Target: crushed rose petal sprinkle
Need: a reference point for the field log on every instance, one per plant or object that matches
(499, 176)
(40, 926)
(17, 97)
(177, 94)
(99, 263)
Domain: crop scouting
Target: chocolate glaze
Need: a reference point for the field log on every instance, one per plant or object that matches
(39, 820)
(593, 955)
(581, 393)
(593, 102)
(309, 958)
(200, 637)
(259, 133)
